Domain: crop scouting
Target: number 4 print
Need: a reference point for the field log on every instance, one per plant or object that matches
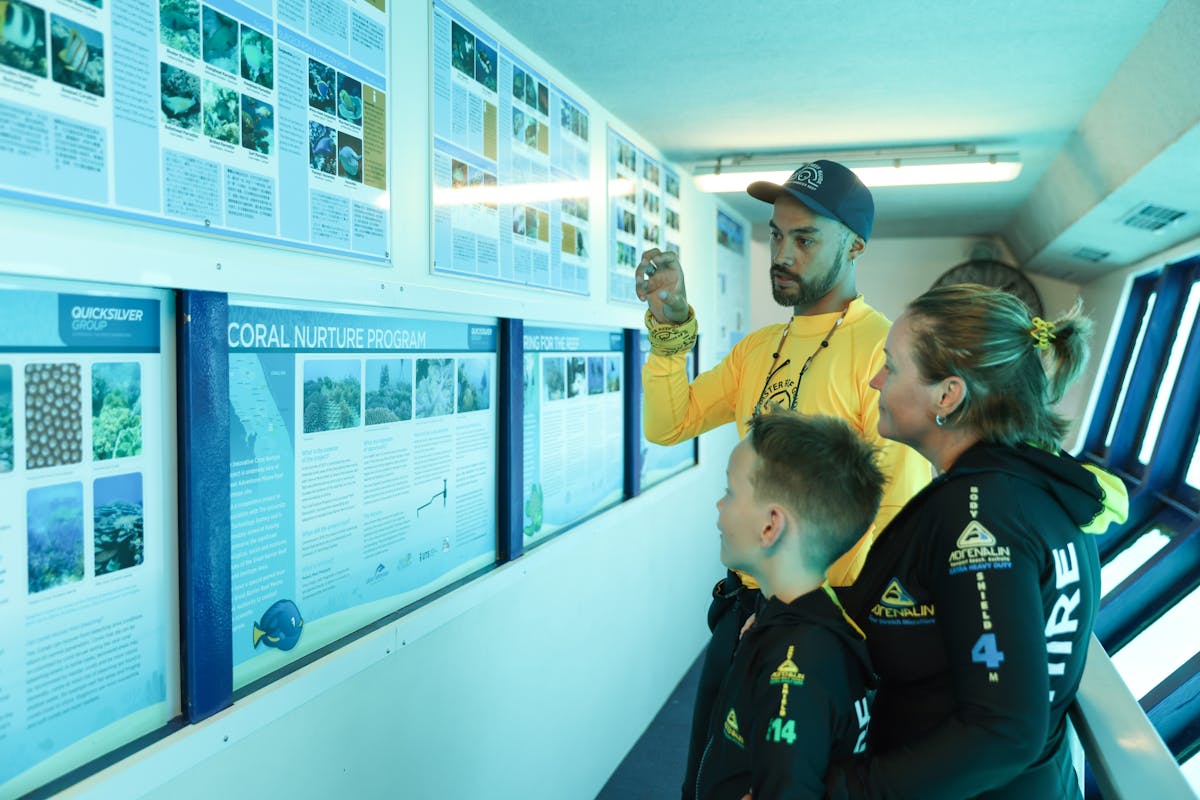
(985, 651)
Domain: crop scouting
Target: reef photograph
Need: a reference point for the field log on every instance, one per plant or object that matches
(54, 525)
(434, 387)
(117, 519)
(349, 99)
(332, 392)
(462, 49)
(179, 97)
(258, 58)
(116, 410)
(258, 125)
(179, 25)
(474, 393)
(612, 372)
(554, 373)
(219, 40)
(23, 38)
(6, 418)
(529, 379)
(322, 86)
(78, 59)
(349, 157)
(221, 113)
(322, 148)
(389, 390)
(595, 374)
(53, 417)
(576, 376)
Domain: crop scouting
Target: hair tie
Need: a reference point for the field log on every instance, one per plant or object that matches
(1042, 332)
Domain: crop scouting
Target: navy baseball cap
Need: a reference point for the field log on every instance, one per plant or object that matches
(829, 189)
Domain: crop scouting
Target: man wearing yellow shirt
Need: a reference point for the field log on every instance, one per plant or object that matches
(820, 362)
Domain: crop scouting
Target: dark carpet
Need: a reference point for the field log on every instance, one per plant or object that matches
(653, 769)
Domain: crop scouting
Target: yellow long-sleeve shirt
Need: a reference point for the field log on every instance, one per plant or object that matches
(836, 384)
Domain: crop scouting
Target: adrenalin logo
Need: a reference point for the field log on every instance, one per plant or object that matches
(897, 607)
(978, 549)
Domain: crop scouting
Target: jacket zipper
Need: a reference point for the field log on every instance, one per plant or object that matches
(700, 769)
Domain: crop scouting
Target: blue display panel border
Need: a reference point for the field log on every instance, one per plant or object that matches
(635, 438)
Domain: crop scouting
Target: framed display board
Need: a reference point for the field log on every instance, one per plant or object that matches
(656, 462)
(362, 469)
(89, 609)
(511, 170)
(252, 119)
(574, 426)
(733, 279)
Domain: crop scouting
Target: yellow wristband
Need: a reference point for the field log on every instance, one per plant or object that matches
(667, 339)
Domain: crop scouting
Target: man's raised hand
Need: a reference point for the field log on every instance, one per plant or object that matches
(659, 281)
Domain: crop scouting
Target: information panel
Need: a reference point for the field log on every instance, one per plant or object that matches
(733, 279)
(643, 198)
(574, 426)
(660, 462)
(362, 470)
(511, 169)
(258, 119)
(89, 635)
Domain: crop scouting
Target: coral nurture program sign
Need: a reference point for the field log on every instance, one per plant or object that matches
(510, 165)
(362, 471)
(88, 638)
(257, 119)
(574, 426)
(643, 198)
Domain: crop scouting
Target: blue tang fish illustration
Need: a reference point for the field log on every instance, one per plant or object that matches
(280, 627)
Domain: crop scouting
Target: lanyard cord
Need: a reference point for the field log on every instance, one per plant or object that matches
(807, 363)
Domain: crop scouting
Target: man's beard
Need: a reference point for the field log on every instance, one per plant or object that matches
(805, 293)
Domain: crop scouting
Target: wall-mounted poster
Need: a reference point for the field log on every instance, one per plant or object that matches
(252, 119)
(643, 197)
(659, 462)
(89, 634)
(733, 279)
(362, 470)
(574, 426)
(510, 165)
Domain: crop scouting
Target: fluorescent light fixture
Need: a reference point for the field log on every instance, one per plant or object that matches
(961, 165)
(522, 193)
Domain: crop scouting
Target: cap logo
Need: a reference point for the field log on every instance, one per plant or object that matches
(809, 176)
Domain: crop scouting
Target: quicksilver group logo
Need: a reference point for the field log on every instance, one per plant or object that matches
(809, 176)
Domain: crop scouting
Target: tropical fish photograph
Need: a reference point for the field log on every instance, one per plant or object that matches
(332, 394)
(77, 56)
(219, 40)
(349, 99)
(54, 525)
(179, 25)
(474, 382)
(280, 627)
(322, 86)
(221, 115)
(6, 418)
(434, 394)
(554, 374)
(53, 416)
(322, 148)
(349, 157)
(118, 541)
(116, 410)
(462, 49)
(179, 97)
(258, 125)
(23, 37)
(485, 65)
(258, 58)
(389, 390)
(612, 373)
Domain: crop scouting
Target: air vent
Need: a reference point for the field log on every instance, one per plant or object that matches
(1091, 254)
(1150, 217)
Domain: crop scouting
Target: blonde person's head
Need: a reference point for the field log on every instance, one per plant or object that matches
(1015, 367)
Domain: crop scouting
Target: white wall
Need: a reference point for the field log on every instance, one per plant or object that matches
(532, 681)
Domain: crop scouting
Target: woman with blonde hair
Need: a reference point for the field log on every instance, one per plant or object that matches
(978, 599)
